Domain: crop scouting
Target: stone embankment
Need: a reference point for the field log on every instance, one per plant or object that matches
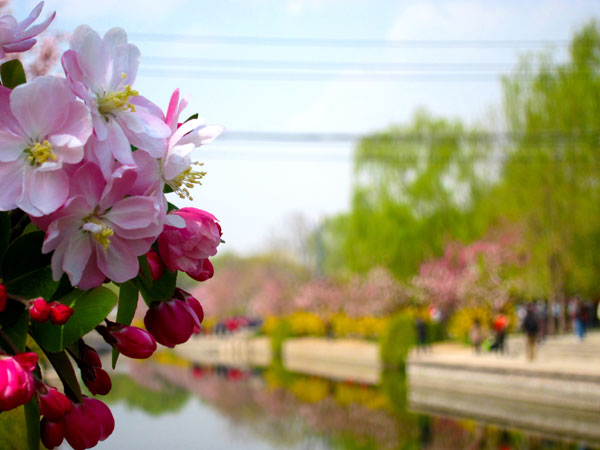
(557, 395)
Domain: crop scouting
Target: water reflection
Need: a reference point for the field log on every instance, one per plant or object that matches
(173, 404)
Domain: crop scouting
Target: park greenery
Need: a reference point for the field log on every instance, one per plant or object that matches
(470, 219)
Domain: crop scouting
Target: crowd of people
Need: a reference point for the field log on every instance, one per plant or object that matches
(536, 320)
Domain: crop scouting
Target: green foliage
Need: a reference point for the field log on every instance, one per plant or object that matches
(32, 421)
(155, 290)
(13, 429)
(434, 181)
(4, 234)
(278, 334)
(550, 180)
(62, 364)
(397, 340)
(27, 271)
(12, 73)
(169, 399)
(14, 322)
(89, 310)
(413, 189)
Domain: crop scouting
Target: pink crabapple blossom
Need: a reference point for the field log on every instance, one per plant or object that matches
(18, 36)
(100, 232)
(176, 166)
(101, 71)
(186, 248)
(42, 127)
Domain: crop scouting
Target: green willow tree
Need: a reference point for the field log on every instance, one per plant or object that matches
(415, 187)
(418, 187)
(551, 179)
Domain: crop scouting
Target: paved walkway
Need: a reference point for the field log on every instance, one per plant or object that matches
(561, 356)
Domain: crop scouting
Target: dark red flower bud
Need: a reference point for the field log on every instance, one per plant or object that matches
(39, 310)
(173, 322)
(156, 266)
(96, 380)
(204, 271)
(88, 423)
(3, 297)
(52, 433)
(54, 405)
(59, 313)
(88, 355)
(130, 341)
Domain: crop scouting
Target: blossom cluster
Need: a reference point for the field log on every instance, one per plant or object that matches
(86, 162)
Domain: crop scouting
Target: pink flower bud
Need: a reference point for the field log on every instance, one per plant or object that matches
(130, 341)
(52, 433)
(39, 310)
(16, 380)
(88, 423)
(205, 271)
(59, 313)
(96, 380)
(3, 297)
(54, 405)
(173, 322)
(187, 249)
(155, 264)
(197, 307)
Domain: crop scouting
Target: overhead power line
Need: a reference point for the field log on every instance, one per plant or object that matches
(344, 76)
(346, 43)
(400, 137)
(319, 65)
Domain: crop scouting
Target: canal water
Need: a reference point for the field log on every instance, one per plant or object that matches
(170, 403)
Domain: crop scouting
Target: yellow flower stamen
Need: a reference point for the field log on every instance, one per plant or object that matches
(186, 180)
(40, 153)
(103, 237)
(99, 230)
(118, 100)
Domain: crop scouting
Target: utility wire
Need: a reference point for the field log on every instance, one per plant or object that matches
(319, 65)
(346, 43)
(264, 75)
(549, 136)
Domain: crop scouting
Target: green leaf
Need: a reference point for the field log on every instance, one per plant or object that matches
(64, 288)
(12, 74)
(171, 207)
(128, 300)
(62, 364)
(30, 228)
(90, 308)
(159, 290)
(38, 283)
(14, 321)
(193, 116)
(32, 420)
(24, 256)
(4, 234)
(13, 432)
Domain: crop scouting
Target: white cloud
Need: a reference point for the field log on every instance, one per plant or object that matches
(298, 6)
(118, 10)
(450, 19)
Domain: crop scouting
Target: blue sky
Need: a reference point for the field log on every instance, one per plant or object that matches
(254, 188)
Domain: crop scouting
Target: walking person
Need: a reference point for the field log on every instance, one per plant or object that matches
(500, 325)
(476, 335)
(531, 328)
(421, 334)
